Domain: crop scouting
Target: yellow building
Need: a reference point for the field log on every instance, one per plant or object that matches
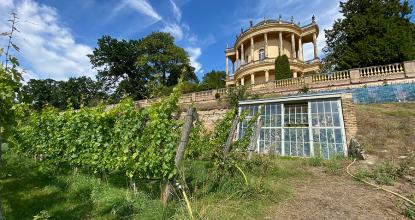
(253, 55)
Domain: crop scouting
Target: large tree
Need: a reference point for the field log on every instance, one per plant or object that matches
(37, 93)
(128, 66)
(214, 80)
(76, 91)
(371, 32)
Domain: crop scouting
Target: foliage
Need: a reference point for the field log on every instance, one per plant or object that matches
(61, 94)
(198, 145)
(140, 143)
(237, 94)
(371, 32)
(128, 66)
(9, 87)
(213, 80)
(282, 68)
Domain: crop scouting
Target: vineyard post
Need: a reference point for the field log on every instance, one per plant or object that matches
(187, 128)
(227, 147)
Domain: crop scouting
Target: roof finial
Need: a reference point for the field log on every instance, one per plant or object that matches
(279, 18)
(313, 19)
(242, 30)
(292, 19)
(250, 23)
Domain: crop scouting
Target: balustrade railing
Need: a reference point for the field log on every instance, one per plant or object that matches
(395, 68)
(340, 75)
(290, 82)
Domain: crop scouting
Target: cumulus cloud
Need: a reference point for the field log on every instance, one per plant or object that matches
(194, 54)
(142, 6)
(47, 47)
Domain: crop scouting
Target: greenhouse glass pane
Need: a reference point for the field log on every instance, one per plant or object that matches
(330, 135)
(336, 119)
(313, 107)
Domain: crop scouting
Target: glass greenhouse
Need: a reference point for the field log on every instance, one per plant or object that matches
(303, 126)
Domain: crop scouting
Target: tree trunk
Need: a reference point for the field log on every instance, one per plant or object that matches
(227, 147)
(187, 128)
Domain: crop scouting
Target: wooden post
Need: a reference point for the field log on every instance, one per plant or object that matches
(227, 147)
(187, 128)
(254, 137)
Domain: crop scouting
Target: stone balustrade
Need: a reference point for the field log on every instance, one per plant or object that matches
(381, 70)
(353, 77)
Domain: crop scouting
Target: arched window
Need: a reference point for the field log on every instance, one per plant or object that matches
(261, 54)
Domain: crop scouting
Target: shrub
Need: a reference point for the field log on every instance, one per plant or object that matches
(282, 68)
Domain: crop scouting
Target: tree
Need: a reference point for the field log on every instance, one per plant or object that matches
(282, 68)
(128, 66)
(81, 90)
(371, 32)
(77, 91)
(214, 80)
(38, 93)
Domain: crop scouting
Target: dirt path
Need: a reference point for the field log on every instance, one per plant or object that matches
(325, 196)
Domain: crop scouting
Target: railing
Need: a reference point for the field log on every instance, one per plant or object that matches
(384, 70)
(340, 78)
(340, 75)
(290, 82)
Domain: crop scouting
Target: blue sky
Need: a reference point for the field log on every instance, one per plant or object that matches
(55, 36)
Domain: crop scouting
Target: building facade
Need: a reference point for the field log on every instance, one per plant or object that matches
(252, 57)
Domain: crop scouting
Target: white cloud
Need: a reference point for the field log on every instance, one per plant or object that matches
(194, 54)
(142, 6)
(47, 47)
(174, 29)
(176, 11)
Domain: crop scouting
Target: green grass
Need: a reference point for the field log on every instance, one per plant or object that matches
(27, 193)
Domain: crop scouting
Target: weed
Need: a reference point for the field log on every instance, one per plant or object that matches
(334, 166)
(410, 212)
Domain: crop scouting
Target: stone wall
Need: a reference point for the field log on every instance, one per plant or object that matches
(349, 117)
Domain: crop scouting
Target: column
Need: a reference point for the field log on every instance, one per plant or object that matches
(227, 68)
(266, 76)
(292, 46)
(237, 58)
(242, 81)
(252, 78)
(315, 45)
(266, 44)
(280, 46)
(242, 55)
(233, 68)
(300, 49)
(294, 74)
(252, 49)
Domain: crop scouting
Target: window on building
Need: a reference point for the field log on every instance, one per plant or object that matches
(312, 128)
(261, 54)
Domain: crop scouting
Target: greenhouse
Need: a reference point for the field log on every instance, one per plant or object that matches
(303, 126)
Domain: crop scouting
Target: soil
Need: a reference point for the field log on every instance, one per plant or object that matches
(330, 196)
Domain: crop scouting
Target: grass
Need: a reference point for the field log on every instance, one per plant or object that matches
(27, 193)
(386, 130)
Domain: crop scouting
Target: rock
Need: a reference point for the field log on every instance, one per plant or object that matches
(356, 150)
(402, 157)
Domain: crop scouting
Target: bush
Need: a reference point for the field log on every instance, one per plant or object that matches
(282, 68)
